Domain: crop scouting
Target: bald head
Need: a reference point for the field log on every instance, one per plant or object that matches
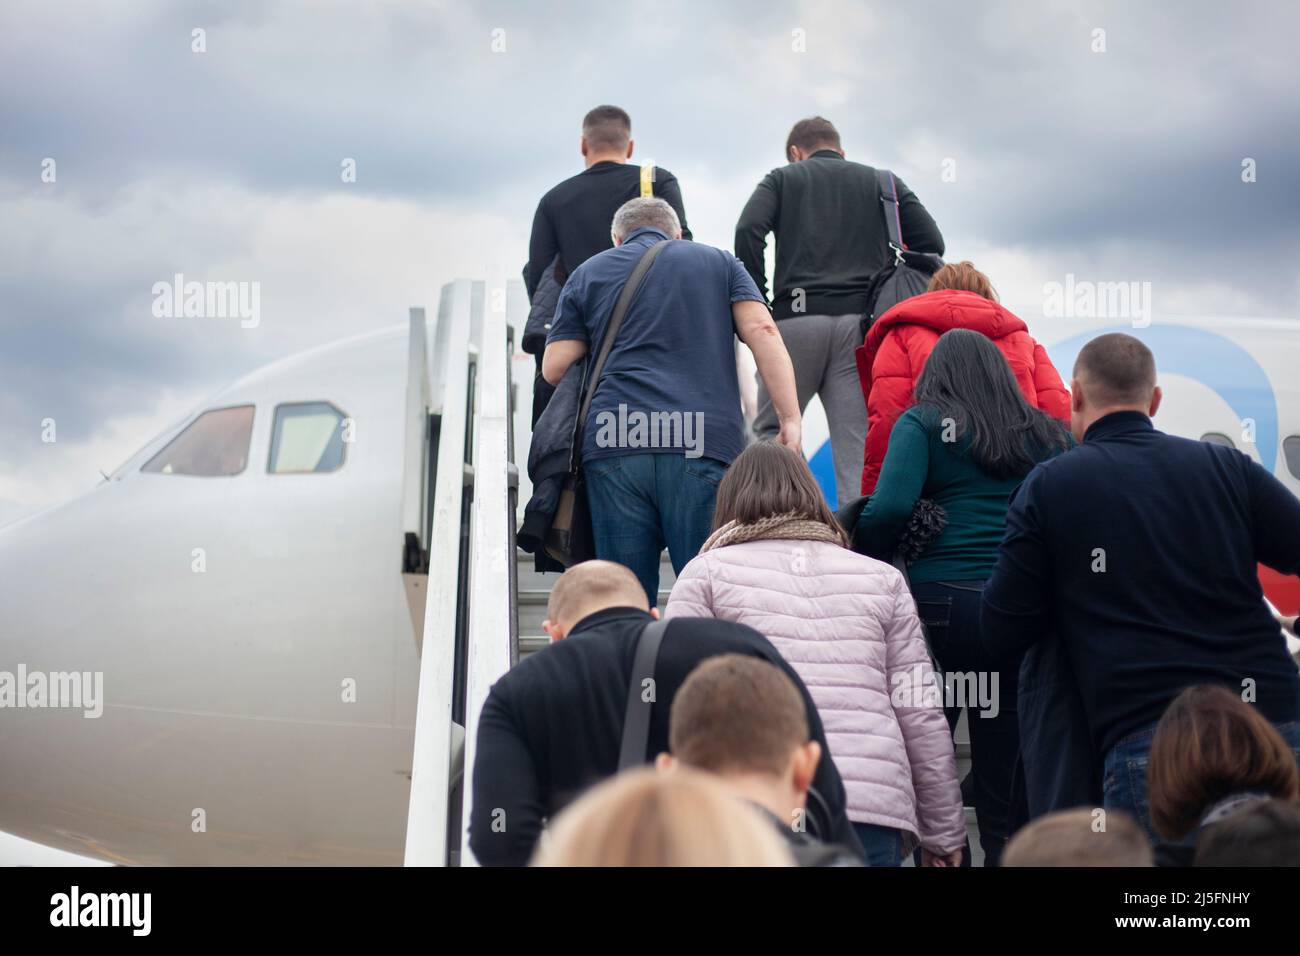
(1114, 372)
(589, 587)
(1116, 369)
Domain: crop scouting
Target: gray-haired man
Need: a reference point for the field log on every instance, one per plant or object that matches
(665, 419)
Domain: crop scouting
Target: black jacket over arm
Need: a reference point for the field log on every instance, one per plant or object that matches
(553, 725)
(830, 231)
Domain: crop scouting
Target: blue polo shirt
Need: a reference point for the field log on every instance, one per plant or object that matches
(669, 384)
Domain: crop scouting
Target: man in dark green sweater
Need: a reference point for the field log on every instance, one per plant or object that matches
(831, 239)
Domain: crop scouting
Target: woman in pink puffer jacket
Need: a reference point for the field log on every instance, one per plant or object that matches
(846, 623)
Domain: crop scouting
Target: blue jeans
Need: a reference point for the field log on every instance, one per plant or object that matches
(950, 611)
(1124, 774)
(644, 502)
(883, 845)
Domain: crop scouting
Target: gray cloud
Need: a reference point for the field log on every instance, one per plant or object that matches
(226, 164)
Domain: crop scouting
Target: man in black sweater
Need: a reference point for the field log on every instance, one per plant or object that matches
(573, 220)
(831, 238)
(1139, 550)
(553, 725)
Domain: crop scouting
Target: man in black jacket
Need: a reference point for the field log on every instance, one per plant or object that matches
(831, 238)
(553, 725)
(1138, 550)
(572, 221)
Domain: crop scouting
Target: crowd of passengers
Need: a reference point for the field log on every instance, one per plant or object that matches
(1037, 556)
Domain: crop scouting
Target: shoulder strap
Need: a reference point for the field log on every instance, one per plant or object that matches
(595, 369)
(636, 722)
(889, 199)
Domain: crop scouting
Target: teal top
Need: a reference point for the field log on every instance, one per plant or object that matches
(920, 464)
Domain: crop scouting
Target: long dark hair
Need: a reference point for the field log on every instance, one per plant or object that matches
(966, 379)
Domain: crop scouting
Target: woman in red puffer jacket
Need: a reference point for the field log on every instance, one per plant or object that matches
(959, 296)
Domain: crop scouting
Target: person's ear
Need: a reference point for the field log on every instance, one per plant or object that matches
(665, 762)
(630, 144)
(555, 631)
(1076, 395)
(582, 146)
(806, 759)
(654, 613)
(796, 154)
(1156, 396)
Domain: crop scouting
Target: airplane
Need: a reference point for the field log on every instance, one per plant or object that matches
(250, 584)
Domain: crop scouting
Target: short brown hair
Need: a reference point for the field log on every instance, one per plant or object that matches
(1210, 744)
(769, 479)
(593, 586)
(963, 277)
(1116, 369)
(810, 133)
(1069, 838)
(607, 128)
(737, 714)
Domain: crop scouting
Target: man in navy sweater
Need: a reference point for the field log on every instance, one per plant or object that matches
(1139, 551)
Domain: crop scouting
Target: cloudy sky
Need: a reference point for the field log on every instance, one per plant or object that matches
(225, 165)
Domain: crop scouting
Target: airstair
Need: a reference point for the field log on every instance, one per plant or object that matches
(485, 603)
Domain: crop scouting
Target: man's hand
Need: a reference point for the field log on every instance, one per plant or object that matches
(952, 859)
(791, 434)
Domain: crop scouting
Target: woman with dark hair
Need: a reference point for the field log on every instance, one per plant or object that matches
(892, 357)
(966, 443)
(1212, 756)
(777, 561)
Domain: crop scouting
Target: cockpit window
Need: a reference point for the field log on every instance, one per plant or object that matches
(214, 444)
(307, 439)
(1218, 438)
(1291, 452)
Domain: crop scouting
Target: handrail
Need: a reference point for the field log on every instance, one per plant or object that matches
(427, 811)
(493, 619)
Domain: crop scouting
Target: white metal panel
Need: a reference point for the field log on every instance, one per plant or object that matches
(415, 459)
(426, 822)
(491, 630)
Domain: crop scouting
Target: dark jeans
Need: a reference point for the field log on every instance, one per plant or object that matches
(1124, 774)
(642, 503)
(950, 611)
(883, 845)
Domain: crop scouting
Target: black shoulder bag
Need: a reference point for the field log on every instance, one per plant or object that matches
(569, 539)
(909, 273)
(636, 719)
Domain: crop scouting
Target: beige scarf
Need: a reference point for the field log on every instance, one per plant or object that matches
(784, 527)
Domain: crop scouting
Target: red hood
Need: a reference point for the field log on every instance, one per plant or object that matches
(946, 310)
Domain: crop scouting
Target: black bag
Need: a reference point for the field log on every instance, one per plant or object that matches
(926, 523)
(569, 539)
(909, 273)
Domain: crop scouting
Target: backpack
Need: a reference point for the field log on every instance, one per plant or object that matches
(909, 273)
